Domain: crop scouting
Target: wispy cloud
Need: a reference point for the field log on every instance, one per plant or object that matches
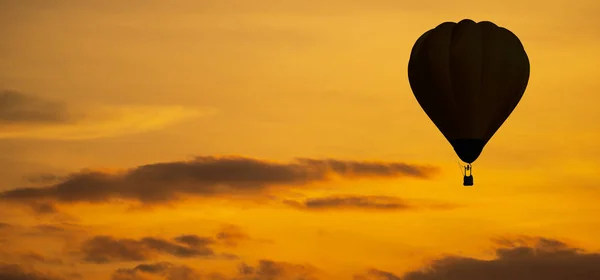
(208, 177)
(20, 108)
(32, 117)
(362, 202)
(104, 248)
(264, 270)
(18, 272)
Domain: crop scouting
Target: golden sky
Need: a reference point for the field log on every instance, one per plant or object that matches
(280, 140)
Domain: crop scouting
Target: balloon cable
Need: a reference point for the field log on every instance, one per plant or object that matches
(461, 169)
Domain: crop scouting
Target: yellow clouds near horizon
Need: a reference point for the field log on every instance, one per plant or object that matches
(325, 233)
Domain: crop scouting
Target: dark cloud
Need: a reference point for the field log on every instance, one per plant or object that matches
(375, 274)
(13, 169)
(168, 270)
(351, 202)
(208, 176)
(265, 270)
(357, 202)
(20, 108)
(43, 208)
(189, 250)
(50, 228)
(525, 258)
(44, 178)
(154, 268)
(194, 240)
(36, 257)
(231, 235)
(40, 229)
(66, 232)
(273, 270)
(18, 272)
(104, 249)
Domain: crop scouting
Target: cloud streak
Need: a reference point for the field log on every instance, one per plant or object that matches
(164, 269)
(38, 258)
(28, 116)
(18, 272)
(361, 202)
(106, 249)
(376, 274)
(269, 269)
(19, 108)
(231, 235)
(265, 270)
(209, 177)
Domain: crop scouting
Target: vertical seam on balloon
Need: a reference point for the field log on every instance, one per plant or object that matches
(453, 91)
(515, 102)
(454, 106)
(481, 70)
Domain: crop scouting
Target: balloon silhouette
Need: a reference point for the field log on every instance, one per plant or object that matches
(468, 77)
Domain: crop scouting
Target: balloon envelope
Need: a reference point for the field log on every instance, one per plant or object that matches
(468, 77)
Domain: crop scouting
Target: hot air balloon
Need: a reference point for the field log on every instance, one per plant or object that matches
(468, 77)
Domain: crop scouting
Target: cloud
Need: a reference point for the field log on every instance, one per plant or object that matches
(40, 229)
(273, 270)
(265, 270)
(104, 249)
(194, 240)
(44, 178)
(526, 258)
(18, 272)
(20, 108)
(351, 202)
(13, 169)
(28, 116)
(17, 238)
(62, 230)
(36, 257)
(43, 208)
(49, 228)
(168, 270)
(231, 235)
(5, 230)
(359, 202)
(208, 177)
(375, 274)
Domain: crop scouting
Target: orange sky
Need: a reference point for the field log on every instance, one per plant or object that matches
(105, 105)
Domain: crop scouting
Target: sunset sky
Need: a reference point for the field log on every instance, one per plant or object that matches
(280, 140)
